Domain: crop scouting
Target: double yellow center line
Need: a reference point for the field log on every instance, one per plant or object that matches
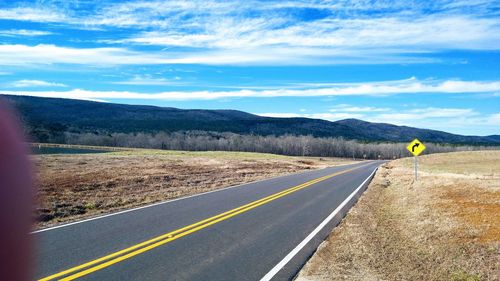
(108, 260)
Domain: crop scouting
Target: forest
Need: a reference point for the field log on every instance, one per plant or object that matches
(284, 145)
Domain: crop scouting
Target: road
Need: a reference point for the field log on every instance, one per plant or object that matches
(264, 230)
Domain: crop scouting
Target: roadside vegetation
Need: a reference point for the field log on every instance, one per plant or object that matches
(77, 186)
(446, 226)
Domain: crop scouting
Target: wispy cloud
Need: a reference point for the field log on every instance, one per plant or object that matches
(324, 116)
(146, 80)
(281, 114)
(269, 32)
(401, 34)
(350, 108)
(383, 88)
(23, 32)
(494, 119)
(19, 54)
(446, 119)
(33, 84)
(424, 113)
(35, 14)
(329, 40)
(394, 116)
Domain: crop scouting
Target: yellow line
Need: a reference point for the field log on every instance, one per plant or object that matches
(156, 239)
(168, 237)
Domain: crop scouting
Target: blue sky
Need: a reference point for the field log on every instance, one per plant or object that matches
(427, 64)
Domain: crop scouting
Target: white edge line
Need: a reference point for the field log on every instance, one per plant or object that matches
(180, 198)
(309, 237)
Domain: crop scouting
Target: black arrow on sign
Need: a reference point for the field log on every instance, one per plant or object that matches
(413, 147)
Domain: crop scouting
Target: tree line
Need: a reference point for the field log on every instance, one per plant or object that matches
(285, 145)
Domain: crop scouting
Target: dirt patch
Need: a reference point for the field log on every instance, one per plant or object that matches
(73, 187)
(480, 212)
(443, 227)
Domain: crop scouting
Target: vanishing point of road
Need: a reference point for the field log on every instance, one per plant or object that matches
(264, 230)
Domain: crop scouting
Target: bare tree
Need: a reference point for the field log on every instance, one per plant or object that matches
(286, 144)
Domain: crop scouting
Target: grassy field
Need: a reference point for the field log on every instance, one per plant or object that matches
(77, 186)
(446, 226)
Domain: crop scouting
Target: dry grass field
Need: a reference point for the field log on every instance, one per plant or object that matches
(446, 226)
(78, 186)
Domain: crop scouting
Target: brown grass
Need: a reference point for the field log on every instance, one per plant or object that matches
(73, 187)
(446, 226)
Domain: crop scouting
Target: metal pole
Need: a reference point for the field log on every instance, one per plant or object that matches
(416, 168)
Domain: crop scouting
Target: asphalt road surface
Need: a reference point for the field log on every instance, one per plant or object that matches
(264, 230)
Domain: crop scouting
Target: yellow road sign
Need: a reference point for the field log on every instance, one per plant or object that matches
(416, 147)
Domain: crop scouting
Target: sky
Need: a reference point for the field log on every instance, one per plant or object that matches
(426, 64)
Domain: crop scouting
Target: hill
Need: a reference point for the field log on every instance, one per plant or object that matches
(51, 116)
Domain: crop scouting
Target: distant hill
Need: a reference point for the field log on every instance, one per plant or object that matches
(53, 115)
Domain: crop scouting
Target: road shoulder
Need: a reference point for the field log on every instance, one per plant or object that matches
(444, 227)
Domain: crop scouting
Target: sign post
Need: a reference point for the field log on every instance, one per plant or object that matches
(416, 167)
(416, 147)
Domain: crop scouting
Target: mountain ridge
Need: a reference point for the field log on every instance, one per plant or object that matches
(56, 115)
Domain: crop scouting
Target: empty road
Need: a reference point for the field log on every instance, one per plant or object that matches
(263, 230)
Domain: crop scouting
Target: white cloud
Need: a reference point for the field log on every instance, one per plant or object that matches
(280, 115)
(407, 117)
(434, 112)
(34, 83)
(149, 81)
(397, 117)
(494, 119)
(50, 54)
(400, 34)
(383, 88)
(336, 116)
(244, 24)
(34, 14)
(24, 32)
(324, 116)
(327, 41)
(423, 113)
(249, 32)
(349, 108)
(19, 54)
(455, 120)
